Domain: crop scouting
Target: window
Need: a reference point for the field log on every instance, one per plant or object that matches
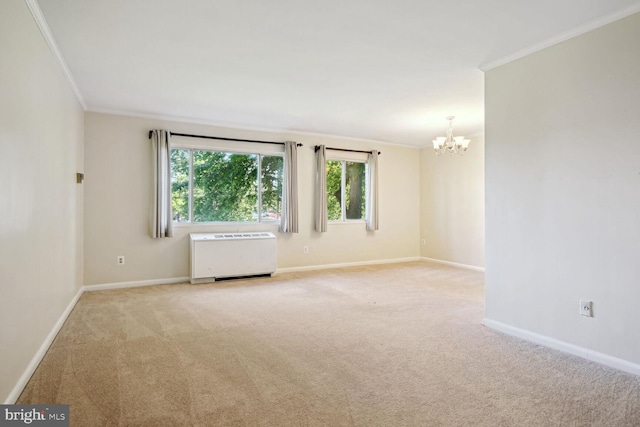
(216, 186)
(346, 180)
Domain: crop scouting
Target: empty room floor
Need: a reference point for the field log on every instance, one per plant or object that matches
(385, 345)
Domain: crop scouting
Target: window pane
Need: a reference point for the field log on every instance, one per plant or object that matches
(224, 186)
(180, 185)
(271, 177)
(355, 190)
(334, 190)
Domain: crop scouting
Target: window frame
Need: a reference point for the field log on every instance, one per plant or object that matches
(220, 148)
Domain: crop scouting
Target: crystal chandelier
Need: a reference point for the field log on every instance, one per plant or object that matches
(450, 144)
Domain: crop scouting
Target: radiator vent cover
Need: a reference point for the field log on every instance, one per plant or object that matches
(243, 236)
(225, 255)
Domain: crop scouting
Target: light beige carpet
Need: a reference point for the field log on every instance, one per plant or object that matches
(395, 345)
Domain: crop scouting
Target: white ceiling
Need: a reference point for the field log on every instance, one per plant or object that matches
(376, 69)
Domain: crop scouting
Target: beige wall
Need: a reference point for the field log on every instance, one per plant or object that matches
(117, 200)
(563, 191)
(452, 205)
(41, 136)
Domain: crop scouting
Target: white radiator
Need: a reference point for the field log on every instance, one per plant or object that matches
(220, 255)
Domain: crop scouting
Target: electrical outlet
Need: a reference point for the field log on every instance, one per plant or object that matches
(305, 249)
(586, 308)
(120, 260)
(423, 241)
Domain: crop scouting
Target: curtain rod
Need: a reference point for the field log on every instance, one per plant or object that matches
(223, 139)
(345, 149)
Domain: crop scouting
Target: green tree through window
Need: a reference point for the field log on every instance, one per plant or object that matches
(346, 181)
(271, 178)
(215, 186)
(180, 185)
(334, 190)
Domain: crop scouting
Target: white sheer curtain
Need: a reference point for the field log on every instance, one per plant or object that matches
(289, 219)
(161, 218)
(372, 192)
(321, 189)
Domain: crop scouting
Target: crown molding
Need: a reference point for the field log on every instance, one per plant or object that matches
(48, 37)
(574, 32)
(188, 120)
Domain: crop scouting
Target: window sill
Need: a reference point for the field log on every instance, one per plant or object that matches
(225, 224)
(348, 222)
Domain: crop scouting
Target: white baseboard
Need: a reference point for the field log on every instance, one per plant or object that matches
(454, 264)
(135, 284)
(37, 358)
(594, 356)
(345, 264)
